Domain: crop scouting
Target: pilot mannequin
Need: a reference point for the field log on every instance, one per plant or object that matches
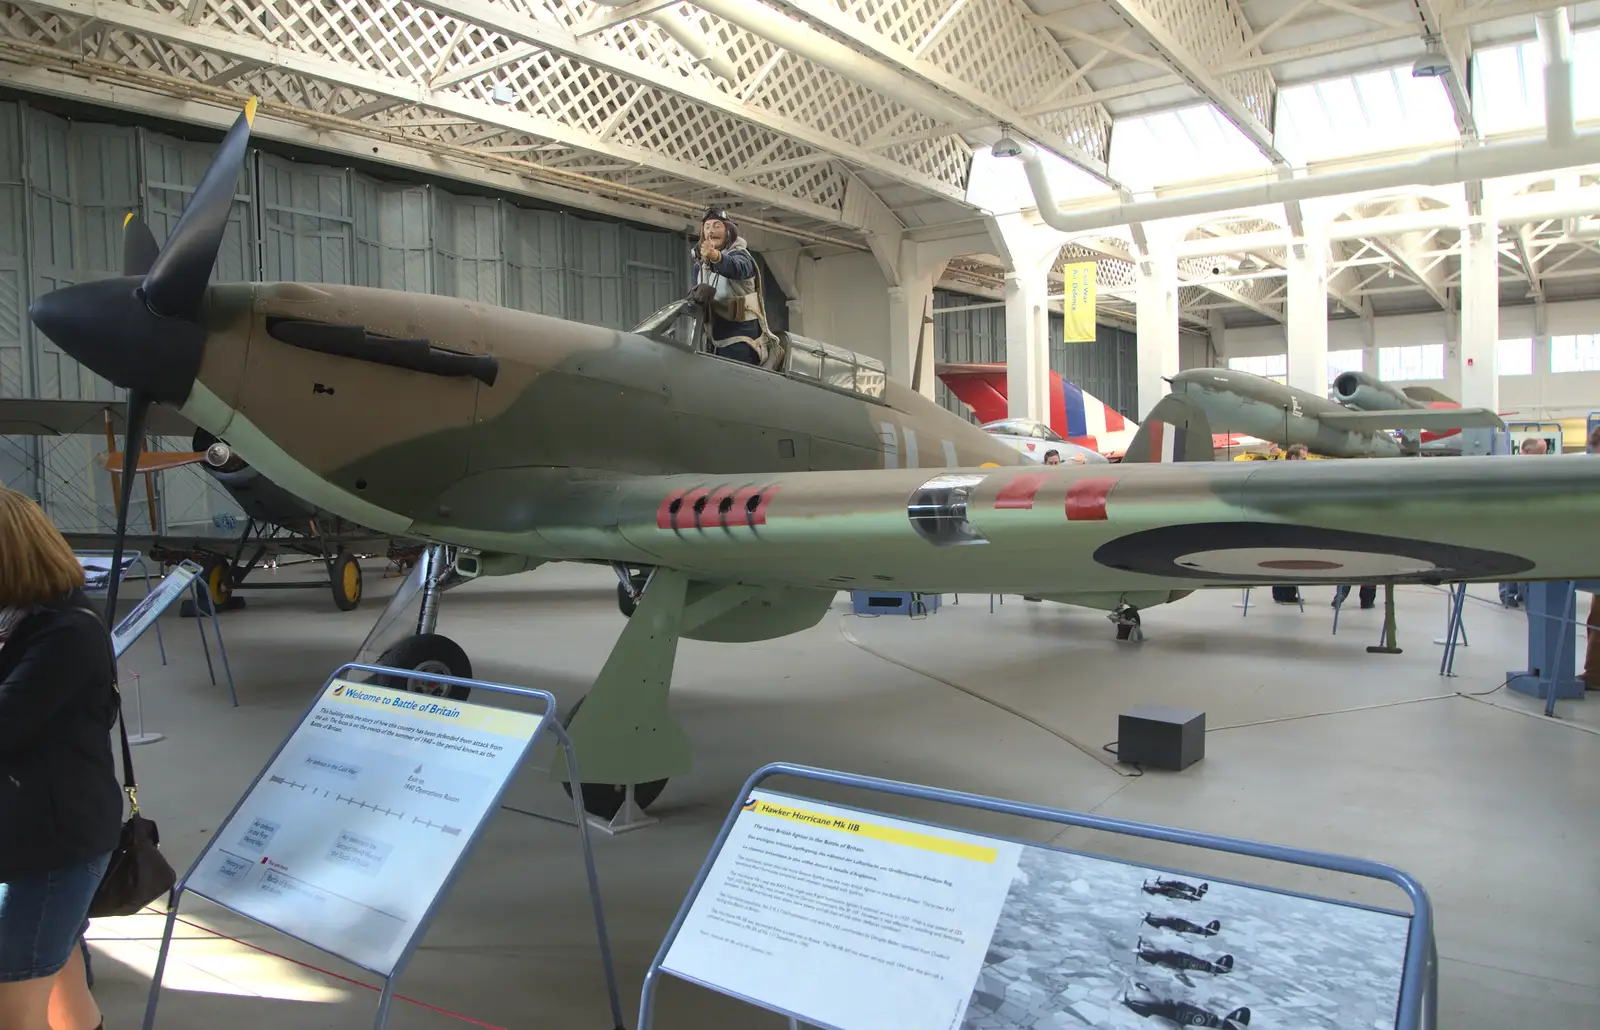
(728, 286)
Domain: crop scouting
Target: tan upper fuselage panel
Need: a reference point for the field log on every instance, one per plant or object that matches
(564, 395)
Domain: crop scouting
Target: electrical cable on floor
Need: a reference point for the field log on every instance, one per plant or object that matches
(1110, 749)
(1024, 716)
(540, 815)
(325, 972)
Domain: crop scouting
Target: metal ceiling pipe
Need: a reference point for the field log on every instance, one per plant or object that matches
(1555, 33)
(668, 20)
(1562, 147)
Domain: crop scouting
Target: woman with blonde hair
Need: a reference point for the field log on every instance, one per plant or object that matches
(60, 803)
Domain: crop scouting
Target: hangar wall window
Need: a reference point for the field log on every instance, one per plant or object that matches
(1273, 366)
(1574, 354)
(1514, 358)
(1410, 364)
(1342, 361)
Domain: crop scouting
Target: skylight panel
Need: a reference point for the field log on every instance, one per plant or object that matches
(1508, 84)
(1180, 146)
(1000, 184)
(1362, 114)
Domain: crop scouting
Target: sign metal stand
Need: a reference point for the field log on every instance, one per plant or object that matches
(1418, 992)
(148, 612)
(548, 720)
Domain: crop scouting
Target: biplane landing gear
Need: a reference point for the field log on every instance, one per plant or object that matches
(217, 574)
(1126, 619)
(344, 576)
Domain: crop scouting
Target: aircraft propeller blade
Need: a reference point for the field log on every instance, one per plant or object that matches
(176, 282)
(133, 443)
(139, 247)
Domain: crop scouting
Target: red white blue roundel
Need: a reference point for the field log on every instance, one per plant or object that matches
(1265, 552)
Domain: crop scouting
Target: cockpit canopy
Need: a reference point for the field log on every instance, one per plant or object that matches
(1022, 427)
(800, 357)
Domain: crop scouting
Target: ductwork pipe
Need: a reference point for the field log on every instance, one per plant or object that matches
(1562, 147)
(669, 21)
(1555, 33)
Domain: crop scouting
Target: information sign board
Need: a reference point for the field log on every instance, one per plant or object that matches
(850, 919)
(356, 826)
(149, 609)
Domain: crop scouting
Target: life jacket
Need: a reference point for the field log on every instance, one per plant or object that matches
(739, 301)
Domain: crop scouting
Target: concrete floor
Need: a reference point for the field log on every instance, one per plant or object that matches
(1313, 743)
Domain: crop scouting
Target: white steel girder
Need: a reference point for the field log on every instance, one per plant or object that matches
(1178, 29)
(965, 50)
(1455, 43)
(302, 41)
(1428, 269)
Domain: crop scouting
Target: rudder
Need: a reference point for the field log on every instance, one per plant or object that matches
(1175, 430)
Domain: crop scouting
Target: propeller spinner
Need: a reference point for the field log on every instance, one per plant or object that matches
(143, 331)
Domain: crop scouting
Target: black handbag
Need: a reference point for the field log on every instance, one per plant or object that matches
(138, 872)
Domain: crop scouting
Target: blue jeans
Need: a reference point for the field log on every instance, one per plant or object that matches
(43, 916)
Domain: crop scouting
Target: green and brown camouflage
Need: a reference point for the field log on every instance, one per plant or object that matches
(751, 495)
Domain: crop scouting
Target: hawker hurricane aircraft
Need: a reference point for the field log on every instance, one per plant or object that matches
(736, 501)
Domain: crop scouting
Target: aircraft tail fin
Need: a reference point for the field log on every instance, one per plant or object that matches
(1241, 1016)
(1214, 925)
(1225, 963)
(1175, 430)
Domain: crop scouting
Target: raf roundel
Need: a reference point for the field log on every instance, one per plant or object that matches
(1262, 552)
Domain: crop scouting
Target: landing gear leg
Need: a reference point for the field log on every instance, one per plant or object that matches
(426, 651)
(1126, 619)
(628, 741)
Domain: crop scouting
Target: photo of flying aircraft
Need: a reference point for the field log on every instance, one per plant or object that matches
(1359, 424)
(1178, 924)
(1176, 889)
(1183, 1013)
(1182, 963)
(736, 502)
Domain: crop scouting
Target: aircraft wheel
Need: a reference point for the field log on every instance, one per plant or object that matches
(1128, 626)
(218, 575)
(346, 581)
(604, 800)
(425, 653)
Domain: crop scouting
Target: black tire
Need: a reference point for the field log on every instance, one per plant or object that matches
(218, 576)
(344, 577)
(604, 800)
(426, 652)
(625, 604)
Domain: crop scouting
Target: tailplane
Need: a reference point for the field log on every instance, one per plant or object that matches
(1175, 430)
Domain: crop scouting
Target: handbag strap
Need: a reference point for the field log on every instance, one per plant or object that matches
(130, 786)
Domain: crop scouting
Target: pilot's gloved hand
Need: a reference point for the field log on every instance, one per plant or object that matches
(702, 294)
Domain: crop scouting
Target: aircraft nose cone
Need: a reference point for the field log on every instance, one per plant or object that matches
(106, 326)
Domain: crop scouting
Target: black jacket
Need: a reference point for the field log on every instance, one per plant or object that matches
(60, 800)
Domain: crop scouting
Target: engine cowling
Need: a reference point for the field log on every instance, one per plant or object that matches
(1368, 393)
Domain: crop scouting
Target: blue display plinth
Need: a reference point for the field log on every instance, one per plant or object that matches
(1553, 616)
(873, 602)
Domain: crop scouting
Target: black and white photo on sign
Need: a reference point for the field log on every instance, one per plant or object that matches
(1087, 942)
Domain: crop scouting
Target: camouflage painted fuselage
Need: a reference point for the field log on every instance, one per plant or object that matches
(595, 445)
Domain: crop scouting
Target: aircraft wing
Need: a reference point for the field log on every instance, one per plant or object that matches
(1415, 418)
(34, 417)
(1100, 530)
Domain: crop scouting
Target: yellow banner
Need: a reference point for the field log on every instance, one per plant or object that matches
(887, 834)
(1078, 304)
